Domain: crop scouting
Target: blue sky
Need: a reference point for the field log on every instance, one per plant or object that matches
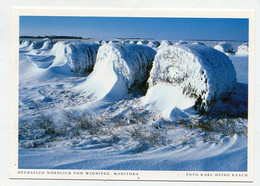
(128, 27)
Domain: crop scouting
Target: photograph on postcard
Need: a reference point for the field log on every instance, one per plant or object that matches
(133, 93)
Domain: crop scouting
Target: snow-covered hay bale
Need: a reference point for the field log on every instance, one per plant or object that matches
(181, 43)
(113, 42)
(75, 57)
(153, 44)
(133, 41)
(98, 42)
(198, 43)
(127, 41)
(142, 42)
(33, 46)
(224, 47)
(25, 43)
(47, 45)
(196, 72)
(165, 43)
(119, 69)
(242, 49)
(81, 57)
(104, 42)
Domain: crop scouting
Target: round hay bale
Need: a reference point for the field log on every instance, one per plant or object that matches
(224, 47)
(120, 69)
(47, 45)
(153, 44)
(133, 41)
(242, 49)
(198, 43)
(165, 43)
(181, 43)
(197, 71)
(142, 42)
(75, 57)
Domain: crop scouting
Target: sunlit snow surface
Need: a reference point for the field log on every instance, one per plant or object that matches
(131, 131)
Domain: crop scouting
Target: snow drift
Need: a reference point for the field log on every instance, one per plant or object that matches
(242, 49)
(224, 47)
(190, 75)
(119, 69)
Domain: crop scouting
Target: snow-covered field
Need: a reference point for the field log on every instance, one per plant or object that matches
(133, 105)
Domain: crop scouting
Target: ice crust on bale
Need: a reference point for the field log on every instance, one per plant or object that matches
(165, 43)
(242, 49)
(153, 44)
(197, 71)
(120, 69)
(79, 57)
(224, 47)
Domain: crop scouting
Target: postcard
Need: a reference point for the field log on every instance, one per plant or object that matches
(132, 95)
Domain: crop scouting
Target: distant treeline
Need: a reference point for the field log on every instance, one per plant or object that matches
(51, 37)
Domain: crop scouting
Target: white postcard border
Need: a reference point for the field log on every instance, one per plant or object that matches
(14, 172)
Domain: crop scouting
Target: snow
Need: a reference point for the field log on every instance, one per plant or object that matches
(224, 47)
(108, 120)
(197, 71)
